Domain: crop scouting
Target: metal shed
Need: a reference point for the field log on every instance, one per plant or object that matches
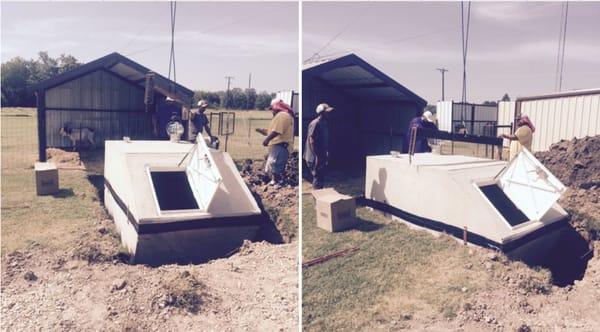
(557, 116)
(107, 95)
(372, 109)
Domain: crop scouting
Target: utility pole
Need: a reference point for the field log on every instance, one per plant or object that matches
(250, 81)
(443, 71)
(227, 96)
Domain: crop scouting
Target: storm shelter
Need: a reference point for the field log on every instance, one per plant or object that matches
(177, 202)
(508, 206)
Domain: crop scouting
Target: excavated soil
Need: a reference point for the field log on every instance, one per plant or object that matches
(527, 300)
(577, 164)
(89, 287)
(280, 202)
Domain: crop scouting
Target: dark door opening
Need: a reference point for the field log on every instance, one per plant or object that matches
(173, 191)
(511, 213)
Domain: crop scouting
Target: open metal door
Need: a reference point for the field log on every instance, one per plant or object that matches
(530, 186)
(203, 175)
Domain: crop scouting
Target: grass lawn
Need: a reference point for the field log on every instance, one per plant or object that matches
(398, 275)
(55, 221)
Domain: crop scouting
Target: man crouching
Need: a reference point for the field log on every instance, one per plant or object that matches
(279, 140)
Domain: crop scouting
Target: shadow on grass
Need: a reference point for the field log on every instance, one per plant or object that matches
(98, 182)
(64, 193)
(366, 226)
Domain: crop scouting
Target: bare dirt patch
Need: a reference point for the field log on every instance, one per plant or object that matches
(90, 286)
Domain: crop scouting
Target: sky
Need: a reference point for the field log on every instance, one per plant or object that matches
(212, 40)
(512, 46)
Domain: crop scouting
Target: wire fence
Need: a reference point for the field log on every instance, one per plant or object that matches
(20, 137)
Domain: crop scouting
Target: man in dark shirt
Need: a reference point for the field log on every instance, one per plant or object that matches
(316, 149)
(424, 121)
(199, 121)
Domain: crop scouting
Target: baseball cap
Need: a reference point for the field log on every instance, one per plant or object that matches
(324, 108)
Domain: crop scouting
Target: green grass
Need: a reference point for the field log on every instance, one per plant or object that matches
(55, 221)
(398, 273)
(52, 221)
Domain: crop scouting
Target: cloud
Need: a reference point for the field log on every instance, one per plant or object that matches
(510, 12)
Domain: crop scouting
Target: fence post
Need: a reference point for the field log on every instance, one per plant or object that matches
(41, 110)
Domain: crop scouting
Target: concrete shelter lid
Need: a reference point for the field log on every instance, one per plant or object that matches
(530, 185)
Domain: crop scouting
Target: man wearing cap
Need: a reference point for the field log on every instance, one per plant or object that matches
(199, 121)
(424, 121)
(316, 149)
(522, 138)
(279, 140)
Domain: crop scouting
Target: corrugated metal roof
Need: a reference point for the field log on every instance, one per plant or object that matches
(128, 70)
(356, 77)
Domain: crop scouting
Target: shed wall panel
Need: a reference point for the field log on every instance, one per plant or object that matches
(563, 118)
(97, 90)
(106, 125)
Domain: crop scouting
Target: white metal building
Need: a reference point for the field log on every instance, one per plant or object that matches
(476, 119)
(557, 116)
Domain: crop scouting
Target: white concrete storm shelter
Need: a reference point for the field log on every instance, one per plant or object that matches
(508, 206)
(177, 202)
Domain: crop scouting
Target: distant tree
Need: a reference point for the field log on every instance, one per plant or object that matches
(490, 103)
(16, 78)
(505, 97)
(263, 100)
(20, 75)
(212, 98)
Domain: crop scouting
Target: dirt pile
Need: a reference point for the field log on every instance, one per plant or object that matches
(254, 173)
(281, 201)
(83, 288)
(577, 164)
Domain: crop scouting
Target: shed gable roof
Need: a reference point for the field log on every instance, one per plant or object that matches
(357, 77)
(125, 68)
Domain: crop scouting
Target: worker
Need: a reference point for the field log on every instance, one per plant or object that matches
(164, 112)
(522, 137)
(424, 121)
(199, 121)
(316, 153)
(279, 140)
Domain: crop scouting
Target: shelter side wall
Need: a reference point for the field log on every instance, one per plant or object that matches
(562, 118)
(433, 194)
(383, 126)
(343, 123)
(110, 105)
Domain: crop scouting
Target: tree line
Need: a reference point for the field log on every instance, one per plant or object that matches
(237, 98)
(20, 75)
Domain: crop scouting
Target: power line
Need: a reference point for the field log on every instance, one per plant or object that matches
(465, 48)
(172, 56)
(564, 36)
(344, 29)
(391, 41)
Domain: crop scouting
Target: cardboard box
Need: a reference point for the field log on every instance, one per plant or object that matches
(335, 212)
(46, 178)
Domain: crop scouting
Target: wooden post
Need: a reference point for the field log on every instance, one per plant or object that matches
(465, 235)
(41, 109)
